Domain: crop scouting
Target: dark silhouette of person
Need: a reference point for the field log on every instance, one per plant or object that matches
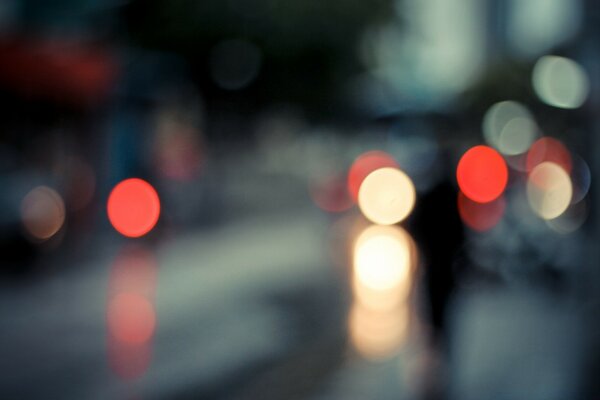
(438, 231)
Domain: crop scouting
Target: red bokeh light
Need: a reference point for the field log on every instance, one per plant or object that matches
(133, 207)
(330, 194)
(482, 174)
(134, 271)
(480, 217)
(130, 314)
(131, 318)
(129, 361)
(364, 165)
(61, 70)
(549, 149)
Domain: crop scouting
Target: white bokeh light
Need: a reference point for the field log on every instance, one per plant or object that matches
(560, 82)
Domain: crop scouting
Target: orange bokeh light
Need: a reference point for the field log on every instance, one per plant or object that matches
(133, 207)
(378, 335)
(482, 174)
(480, 217)
(363, 165)
(387, 196)
(549, 190)
(42, 212)
(548, 149)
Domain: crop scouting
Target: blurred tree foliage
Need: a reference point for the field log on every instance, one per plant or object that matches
(309, 47)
